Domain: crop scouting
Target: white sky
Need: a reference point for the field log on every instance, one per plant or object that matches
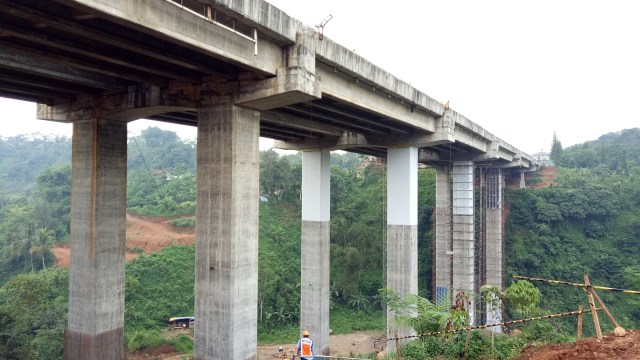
(521, 69)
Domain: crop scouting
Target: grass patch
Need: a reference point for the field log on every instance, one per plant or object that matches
(289, 334)
(346, 321)
(188, 222)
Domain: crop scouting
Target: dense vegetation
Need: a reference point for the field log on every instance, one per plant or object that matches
(588, 222)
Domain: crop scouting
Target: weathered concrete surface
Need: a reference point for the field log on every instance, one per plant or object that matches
(314, 260)
(442, 250)
(402, 273)
(96, 276)
(463, 231)
(226, 230)
(185, 27)
(314, 283)
(493, 256)
(402, 230)
(293, 84)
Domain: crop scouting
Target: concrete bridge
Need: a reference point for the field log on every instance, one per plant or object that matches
(239, 70)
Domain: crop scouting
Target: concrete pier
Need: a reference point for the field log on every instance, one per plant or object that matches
(493, 241)
(442, 249)
(402, 230)
(304, 92)
(314, 249)
(95, 328)
(226, 230)
(463, 231)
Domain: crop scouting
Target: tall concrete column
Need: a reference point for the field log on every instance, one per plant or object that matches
(463, 230)
(402, 229)
(442, 250)
(493, 242)
(227, 185)
(95, 328)
(314, 292)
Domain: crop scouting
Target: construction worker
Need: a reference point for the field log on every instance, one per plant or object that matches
(305, 347)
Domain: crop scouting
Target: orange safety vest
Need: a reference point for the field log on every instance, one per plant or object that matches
(305, 346)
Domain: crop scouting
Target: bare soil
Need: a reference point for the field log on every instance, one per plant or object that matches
(348, 344)
(365, 342)
(147, 235)
(547, 175)
(611, 347)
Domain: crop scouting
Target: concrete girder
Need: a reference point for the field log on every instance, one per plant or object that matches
(62, 73)
(268, 18)
(196, 32)
(363, 96)
(138, 102)
(356, 67)
(279, 118)
(351, 139)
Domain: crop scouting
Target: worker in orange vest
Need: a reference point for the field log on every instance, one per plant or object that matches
(305, 347)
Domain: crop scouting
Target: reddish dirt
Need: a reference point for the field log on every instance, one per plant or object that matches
(149, 235)
(547, 175)
(611, 347)
(360, 343)
(348, 344)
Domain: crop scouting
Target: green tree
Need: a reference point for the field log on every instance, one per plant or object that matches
(556, 150)
(33, 315)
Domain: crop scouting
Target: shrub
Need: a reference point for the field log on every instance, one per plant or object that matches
(141, 339)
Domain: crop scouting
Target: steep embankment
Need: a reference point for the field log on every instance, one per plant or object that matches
(143, 235)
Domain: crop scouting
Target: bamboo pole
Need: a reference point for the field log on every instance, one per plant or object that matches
(492, 325)
(575, 284)
(579, 335)
(619, 330)
(592, 305)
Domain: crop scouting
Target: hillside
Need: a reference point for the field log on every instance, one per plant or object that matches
(153, 234)
(148, 235)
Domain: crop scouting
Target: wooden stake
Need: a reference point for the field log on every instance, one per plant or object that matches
(398, 353)
(579, 335)
(618, 330)
(592, 305)
(606, 311)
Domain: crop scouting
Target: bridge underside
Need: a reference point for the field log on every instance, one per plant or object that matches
(236, 71)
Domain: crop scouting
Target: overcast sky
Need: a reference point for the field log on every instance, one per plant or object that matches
(521, 69)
